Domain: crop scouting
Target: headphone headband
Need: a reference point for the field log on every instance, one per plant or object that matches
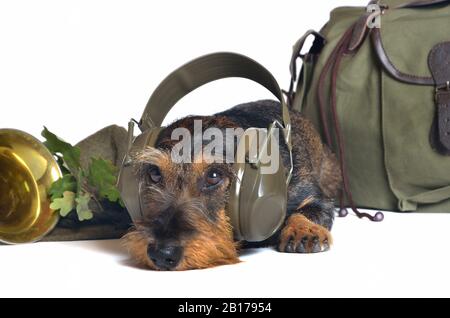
(202, 71)
(257, 205)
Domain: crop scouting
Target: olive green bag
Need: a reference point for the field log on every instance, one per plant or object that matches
(376, 85)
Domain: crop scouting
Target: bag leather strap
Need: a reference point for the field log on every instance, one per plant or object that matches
(413, 4)
(204, 70)
(439, 63)
(391, 69)
(332, 65)
(422, 4)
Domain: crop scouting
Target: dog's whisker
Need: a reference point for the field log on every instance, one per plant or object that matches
(199, 207)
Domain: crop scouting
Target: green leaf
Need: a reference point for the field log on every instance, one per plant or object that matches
(102, 176)
(71, 154)
(64, 204)
(66, 183)
(60, 161)
(83, 211)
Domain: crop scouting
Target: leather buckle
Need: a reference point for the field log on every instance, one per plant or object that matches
(445, 87)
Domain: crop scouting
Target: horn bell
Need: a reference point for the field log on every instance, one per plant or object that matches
(27, 170)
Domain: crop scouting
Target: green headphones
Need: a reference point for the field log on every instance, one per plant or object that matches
(258, 201)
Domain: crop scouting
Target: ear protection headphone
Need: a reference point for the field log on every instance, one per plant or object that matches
(258, 201)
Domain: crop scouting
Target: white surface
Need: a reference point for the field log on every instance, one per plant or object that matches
(77, 66)
(406, 255)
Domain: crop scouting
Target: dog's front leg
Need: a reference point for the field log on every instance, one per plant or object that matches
(307, 229)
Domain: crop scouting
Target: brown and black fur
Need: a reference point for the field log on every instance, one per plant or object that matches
(180, 211)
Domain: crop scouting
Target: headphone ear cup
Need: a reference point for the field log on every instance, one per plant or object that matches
(128, 181)
(258, 200)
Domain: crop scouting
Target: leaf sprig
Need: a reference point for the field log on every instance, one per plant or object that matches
(78, 187)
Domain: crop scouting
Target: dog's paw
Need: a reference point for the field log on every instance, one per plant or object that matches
(300, 235)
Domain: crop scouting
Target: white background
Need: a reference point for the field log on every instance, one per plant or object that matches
(77, 66)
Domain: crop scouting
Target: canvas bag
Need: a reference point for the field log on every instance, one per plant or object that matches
(380, 97)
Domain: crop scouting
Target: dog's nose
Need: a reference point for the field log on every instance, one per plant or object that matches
(165, 257)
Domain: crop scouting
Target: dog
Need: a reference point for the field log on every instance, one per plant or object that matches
(185, 224)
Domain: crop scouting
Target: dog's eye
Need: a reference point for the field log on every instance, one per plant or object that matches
(155, 174)
(213, 178)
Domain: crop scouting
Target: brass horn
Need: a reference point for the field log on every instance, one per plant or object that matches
(27, 170)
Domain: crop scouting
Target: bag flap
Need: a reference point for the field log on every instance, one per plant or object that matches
(405, 39)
